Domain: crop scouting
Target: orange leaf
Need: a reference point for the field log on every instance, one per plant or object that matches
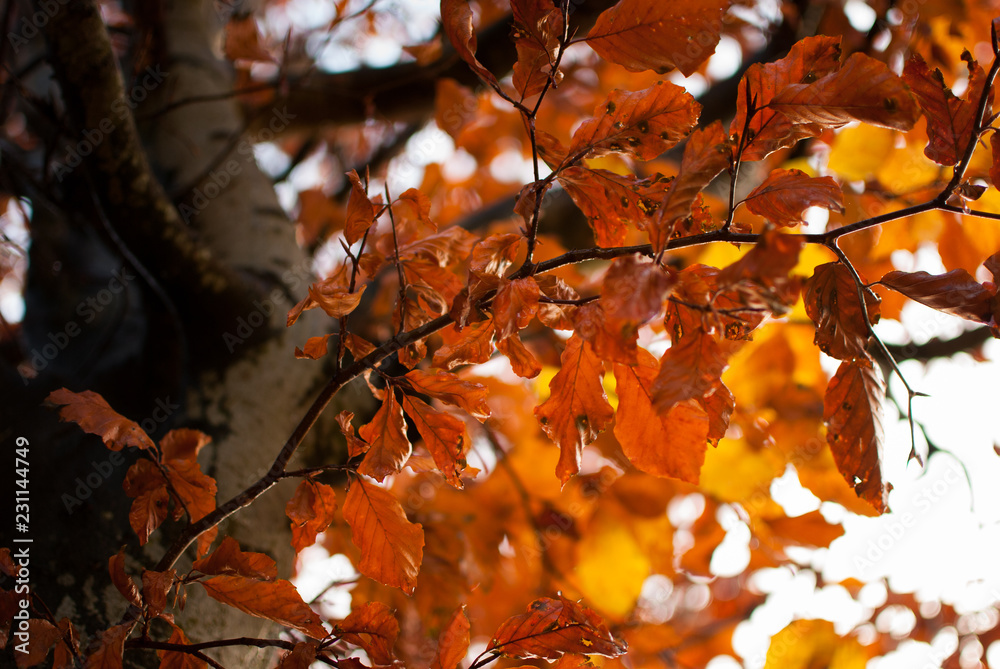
(170, 659)
(229, 560)
(809, 530)
(273, 600)
(42, 635)
(95, 416)
(300, 657)
(183, 444)
(315, 348)
(355, 446)
(360, 210)
(634, 289)
(657, 36)
(490, 259)
(522, 361)
(65, 654)
(197, 491)
(391, 546)
(832, 302)
(472, 346)
(155, 586)
(644, 123)
(808, 60)
(311, 510)
(610, 201)
(122, 581)
(852, 409)
(146, 484)
(372, 627)
(954, 292)
(995, 167)
(448, 388)
(864, 89)
(612, 340)
(538, 26)
(553, 627)
(453, 642)
(671, 444)
(950, 120)
(456, 19)
(110, 645)
(762, 279)
(690, 369)
(515, 304)
(445, 437)
(786, 194)
(705, 155)
(577, 409)
(386, 435)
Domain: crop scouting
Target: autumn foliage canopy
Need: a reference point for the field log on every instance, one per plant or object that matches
(547, 402)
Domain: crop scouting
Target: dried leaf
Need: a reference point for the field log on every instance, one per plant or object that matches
(954, 292)
(852, 409)
(276, 600)
(456, 19)
(864, 89)
(515, 304)
(671, 444)
(832, 302)
(391, 546)
(453, 642)
(690, 369)
(108, 648)
(388, 447)
(95, 416)
(122, 581)
(450, 389)
(553, 627)
(229, 560)
(197, 491)
(155, 586)
(360, 210)
(445, 437)
(42, 635)
(300, 657)
(522, 361)
(611, 201)
(315, 348)
(786, 194)
(176, 660)
(634, 289)
(146, 484)
(355, 446)
(538, 27)
(577, 409)
(473, 346)
(644, 123)
(658, 35)
(311, 510)
(373, 628)
(183, 444)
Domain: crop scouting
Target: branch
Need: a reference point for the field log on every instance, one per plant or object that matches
(137, 206)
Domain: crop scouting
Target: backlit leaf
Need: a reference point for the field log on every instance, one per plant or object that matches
(311, 509)
(786, 194)
(522, 361)
(852, 409)
(553, 627)
(453, 642)
(229, 560)
(577, 409)
(611, 201)
(658, 35)
(146, 485)
(671, 444)
(391, 546)
(514, 306)
(690, 369)
(456, 19)
(95, 416)
(355, 445)
(360, 210)
(473, 345)
(388, 447)
(155, 586)
(634, 289)
(122, 581)
(300, 657)
(274, 600)
(804, 644)
(372, 627)
(538, 26)
(197, 492)
(832, 302)
(445, 437)
(450, 389)
(954, 292)
(644, 123)
(315, 348)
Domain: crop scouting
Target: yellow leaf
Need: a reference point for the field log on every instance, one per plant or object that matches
(860, 151)
(734, 472)
(814, 643)
(613, 591)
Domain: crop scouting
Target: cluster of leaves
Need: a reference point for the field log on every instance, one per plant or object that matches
(735, 396)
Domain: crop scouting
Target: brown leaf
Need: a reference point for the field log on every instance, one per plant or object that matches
(311, 509)
(690, 369)
(391, 546)
(243, 40)
(229, 560)
(538, 27)
(155, 586)
(197, 491)
(122, 581)
(170, 659)
(762, 278)
(490, 259)
(456, 19)
(658, 35)
(445, 437)
(183, 444)
(808, 60)
(950, 120)
(634, 289)
(644, 123)
(577, 409)
(42, 635)
(360, 210)
(831, 301)
(386, 436)
(864, 89)
(995, 167)
(852, 409)
(671, 444)
(954, 292)
(146, 484)
(277, 600)
(95, 416)
(453, 642)
(553, 627)
(786, 194)
(108, 648)
(372, 627)
(705, 155)
(355, 446)
(300, 657)
(611, 201)
(556, 316)
(515, 304)
(65, 654)
(612, 340)
(315, 348)
(472, 346)
(522, 361)
(448, 388)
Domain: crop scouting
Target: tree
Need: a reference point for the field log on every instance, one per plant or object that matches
(494, 391)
